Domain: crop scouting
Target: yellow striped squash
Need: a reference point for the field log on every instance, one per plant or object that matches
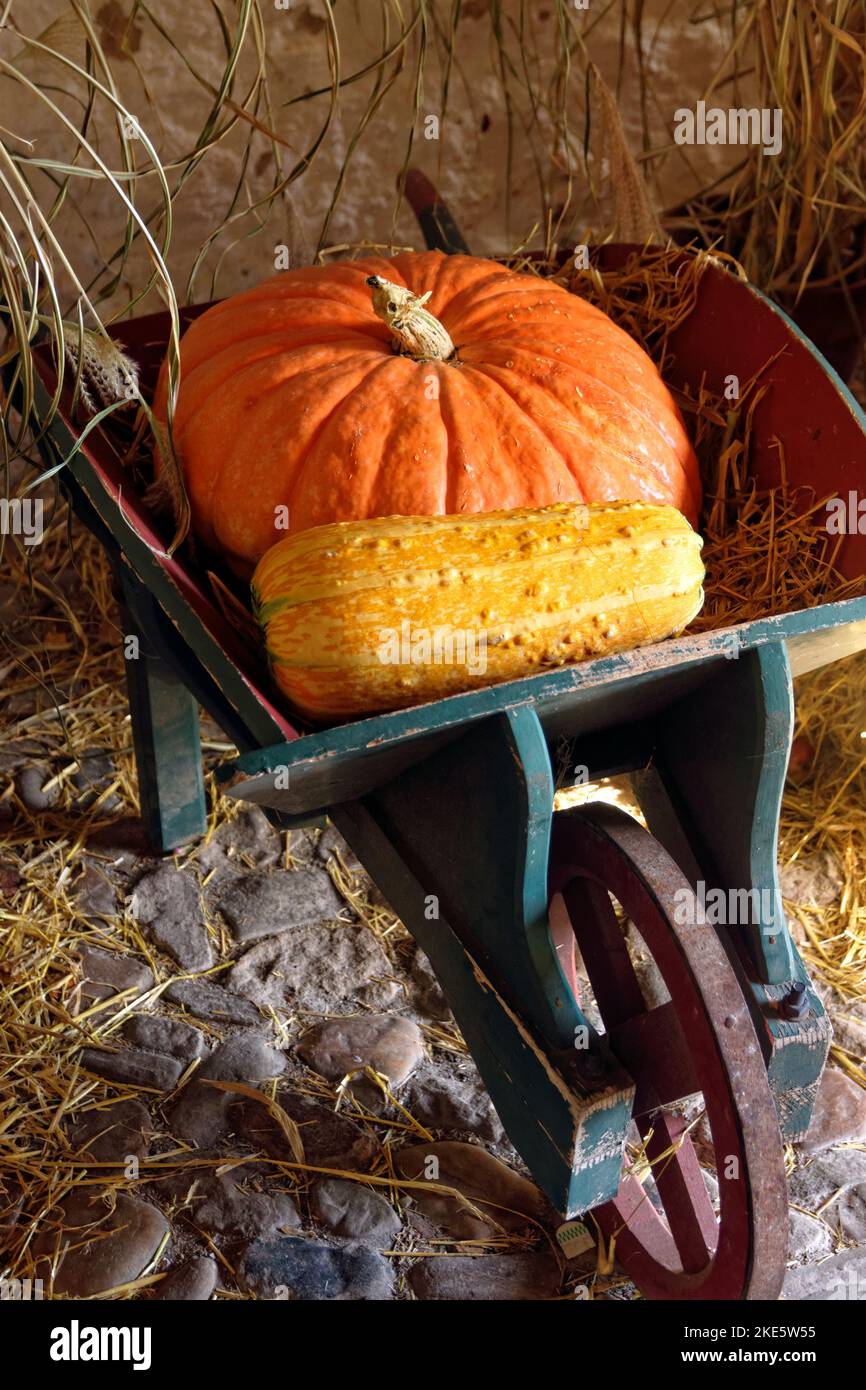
(366, 616)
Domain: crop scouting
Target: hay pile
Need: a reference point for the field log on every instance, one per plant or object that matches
(765, 552)
(824, 822)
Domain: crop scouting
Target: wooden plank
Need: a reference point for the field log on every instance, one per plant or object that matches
(724, 754)
(571, 1140)
(165, 733)
(342, 763)
(652, 1044)
(811, 650)
(805, 415)
(438, 227)
(472, 824)
(794, 1050)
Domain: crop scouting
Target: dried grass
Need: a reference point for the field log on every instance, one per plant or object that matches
(824, 812)
(795, 218)
(765, 552)
(43, 1090)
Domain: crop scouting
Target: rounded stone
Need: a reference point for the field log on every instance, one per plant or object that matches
(495, 1278)
(449, 1098)
(390, 1045)
(501, 1198)
(193, 1281)
(839, 1116)
(298, 1269)
(200, 1115)
(247, 1056)
(315, 968)
(354, 1211)
(118, 1131)
(105, 1249)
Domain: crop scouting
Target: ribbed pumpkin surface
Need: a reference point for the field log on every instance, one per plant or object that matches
(292, 395)
(375, 615)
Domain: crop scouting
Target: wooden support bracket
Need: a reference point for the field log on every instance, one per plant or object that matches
(472, 888)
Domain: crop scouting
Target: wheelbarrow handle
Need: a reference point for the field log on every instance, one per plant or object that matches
(441, 232)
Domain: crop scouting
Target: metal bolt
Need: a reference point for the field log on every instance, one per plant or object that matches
(795, 1003)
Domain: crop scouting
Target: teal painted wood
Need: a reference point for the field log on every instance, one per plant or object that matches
(716, 739)
(165, 732)
(466, 821)
(723, 753)
(519, 771)
(343, 763)
(473, 825)
(795, 1050)
(724, 786)
(571, 1140)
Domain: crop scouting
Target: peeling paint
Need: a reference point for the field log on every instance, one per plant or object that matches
(613, 1140)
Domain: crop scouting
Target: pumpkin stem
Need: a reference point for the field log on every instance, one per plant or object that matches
(417, 333)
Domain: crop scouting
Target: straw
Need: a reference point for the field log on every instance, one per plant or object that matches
(766, 552)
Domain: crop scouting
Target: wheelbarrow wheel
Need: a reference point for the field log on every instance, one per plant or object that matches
(699, 1041)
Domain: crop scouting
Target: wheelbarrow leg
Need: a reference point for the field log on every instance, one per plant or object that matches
(460, 843)
(165, 734)
(713, 797)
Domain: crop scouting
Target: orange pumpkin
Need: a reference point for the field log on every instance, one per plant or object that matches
(421, 385)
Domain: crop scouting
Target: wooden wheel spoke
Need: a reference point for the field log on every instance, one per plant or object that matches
(562, 935)
(683, 1192)
(636, 1213)
(654, 1050)
(604, 951)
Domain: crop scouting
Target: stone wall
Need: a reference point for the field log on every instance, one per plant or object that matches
(468, 159)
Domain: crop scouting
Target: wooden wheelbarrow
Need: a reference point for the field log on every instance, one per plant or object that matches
(450, 806)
